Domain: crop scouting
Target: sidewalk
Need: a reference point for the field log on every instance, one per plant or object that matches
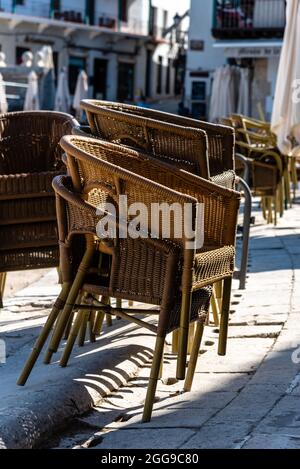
(248, 399)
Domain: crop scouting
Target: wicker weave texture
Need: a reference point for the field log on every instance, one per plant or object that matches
(30, 158)
(220, 138)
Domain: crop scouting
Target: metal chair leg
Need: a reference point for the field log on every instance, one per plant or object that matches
(225, 316)
(67, 311)
(3, 276)
(194, 357)
(154, 376)
(175, 336)
(83, 329)
(92, 319)
(71, 340)
(191, 337)
(100, 317)
(59, 305)
(215, 309)
(246, 233)
(183, 335)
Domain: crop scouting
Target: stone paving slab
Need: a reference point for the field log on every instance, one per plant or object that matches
(236, 400)
(237, 397)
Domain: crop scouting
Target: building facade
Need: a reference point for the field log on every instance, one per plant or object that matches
(245, 33)
(128, 47)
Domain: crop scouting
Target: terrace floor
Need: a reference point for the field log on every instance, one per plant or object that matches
(248, 399)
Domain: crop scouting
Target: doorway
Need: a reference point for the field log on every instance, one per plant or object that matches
(100, 78)
(76, 65)
(125, 82)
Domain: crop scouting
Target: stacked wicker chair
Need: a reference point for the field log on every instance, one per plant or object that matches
(256, 148)
(95, 168)
(90, 165)
(201, 148)
(163, 135)
(30, 158)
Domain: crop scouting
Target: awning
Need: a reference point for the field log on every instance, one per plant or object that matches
(250, 49)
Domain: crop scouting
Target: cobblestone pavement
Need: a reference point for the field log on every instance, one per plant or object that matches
(248, 399)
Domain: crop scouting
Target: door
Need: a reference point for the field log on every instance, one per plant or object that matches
(76, 65)
(125, 82)
(100, 78)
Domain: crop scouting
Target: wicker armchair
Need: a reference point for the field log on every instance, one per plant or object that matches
(155, 271)
(95, 167)
(265, 168)
(215, 261)
(30, 158)
(157, 132)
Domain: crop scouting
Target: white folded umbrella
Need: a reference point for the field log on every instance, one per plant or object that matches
(32, 101)
(224, 93)
(62, 98)
(286, 108)
(81, 92)
(3, 100)
(48, 57)
(244, 93)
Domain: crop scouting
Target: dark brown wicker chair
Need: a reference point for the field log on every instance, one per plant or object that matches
(157, 132)
(30, 158)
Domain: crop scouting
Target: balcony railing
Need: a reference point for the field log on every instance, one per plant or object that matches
(234, 19)
(56, 11)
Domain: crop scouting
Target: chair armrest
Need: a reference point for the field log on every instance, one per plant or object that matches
(221, 206)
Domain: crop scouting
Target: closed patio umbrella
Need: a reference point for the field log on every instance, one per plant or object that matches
(244, 93)
(81, 92)
(47, 89)
(3, 100)
(32, 102)
(286, 109)
(62, 98)
(224, 93)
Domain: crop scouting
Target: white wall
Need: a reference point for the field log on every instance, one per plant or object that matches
(166, 50)
(201, 22)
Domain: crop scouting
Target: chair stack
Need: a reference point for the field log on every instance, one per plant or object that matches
(30, 159)
(269, 171)
(151, 158)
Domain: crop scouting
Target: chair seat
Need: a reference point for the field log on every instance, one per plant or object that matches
(213, 265)
(225, 179)
(97, 285)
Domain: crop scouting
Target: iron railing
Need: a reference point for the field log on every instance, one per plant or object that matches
(248, 18)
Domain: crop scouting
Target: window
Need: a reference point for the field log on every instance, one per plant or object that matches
(125, 92)
(153, 22)
(199, 90)
(159, 75)
(123, 10)
(199, 99)
(165, 20)
(168, 77)
(19, 52)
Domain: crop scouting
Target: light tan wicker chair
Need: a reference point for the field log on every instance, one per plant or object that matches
(264, 163)
(153, 271)
(30, 158)
(215, 261)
